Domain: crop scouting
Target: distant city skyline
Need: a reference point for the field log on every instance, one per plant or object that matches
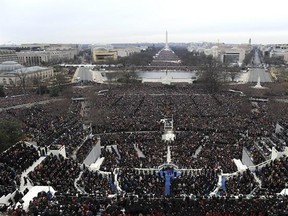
(136, 21)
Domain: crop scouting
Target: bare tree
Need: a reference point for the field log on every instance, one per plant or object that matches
(60, 79)
(111, 76)
(2, 92)
(233, 72)
(211, 74)
(22, 75)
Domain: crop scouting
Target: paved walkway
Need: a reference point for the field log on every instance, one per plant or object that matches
(139, 152)
(198, 150)
(76, 180)
(97, 77)
(257, 179)
(168, 154)
(282, 100)
(86, 74)
(75, 76)
(29, 104)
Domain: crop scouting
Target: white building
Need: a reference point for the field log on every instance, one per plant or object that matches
(232, 56)
(228, 54)
(38, 57)
(122, 51)
(102, 55)
(11, 72)
(279, 50)
(8, 55)
(127, 51)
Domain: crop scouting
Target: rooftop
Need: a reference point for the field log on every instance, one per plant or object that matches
(9, 66)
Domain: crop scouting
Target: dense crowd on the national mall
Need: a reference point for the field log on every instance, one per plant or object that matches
(26, 99)
(211, 130)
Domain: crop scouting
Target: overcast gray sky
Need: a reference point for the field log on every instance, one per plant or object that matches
(111, 21)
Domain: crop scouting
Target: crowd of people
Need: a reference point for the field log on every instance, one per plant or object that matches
(58, 122)
(221, 120)
(7, 180)
(126, 147)
(166, 57)
(243, 183)
(200, 183)
(13, 162)
(141, 184)
(254, 152)
(56, 171)
(111, 158)
(216, 206)
(190, 110)
(19, 157)
(274, 176)
(96, 183)
(45, 204)
(211, 130)
(85, 149)
(189, 150)
(10, 101)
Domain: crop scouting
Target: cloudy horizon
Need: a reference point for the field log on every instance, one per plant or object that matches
(131, 21)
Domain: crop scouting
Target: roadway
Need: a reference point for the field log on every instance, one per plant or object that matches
(28, 104)
(84, 74)
(256, 60)
(257, 70)
(254, 73)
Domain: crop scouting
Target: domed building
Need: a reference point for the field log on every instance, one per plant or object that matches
(11, 71)
(9, 66)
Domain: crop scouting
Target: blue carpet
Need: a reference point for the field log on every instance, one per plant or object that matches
(167, 184)
(224, 183)
(112, 185)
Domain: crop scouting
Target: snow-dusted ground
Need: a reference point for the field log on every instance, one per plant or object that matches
(244, 77)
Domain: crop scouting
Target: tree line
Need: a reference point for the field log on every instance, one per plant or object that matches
(10, 133)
